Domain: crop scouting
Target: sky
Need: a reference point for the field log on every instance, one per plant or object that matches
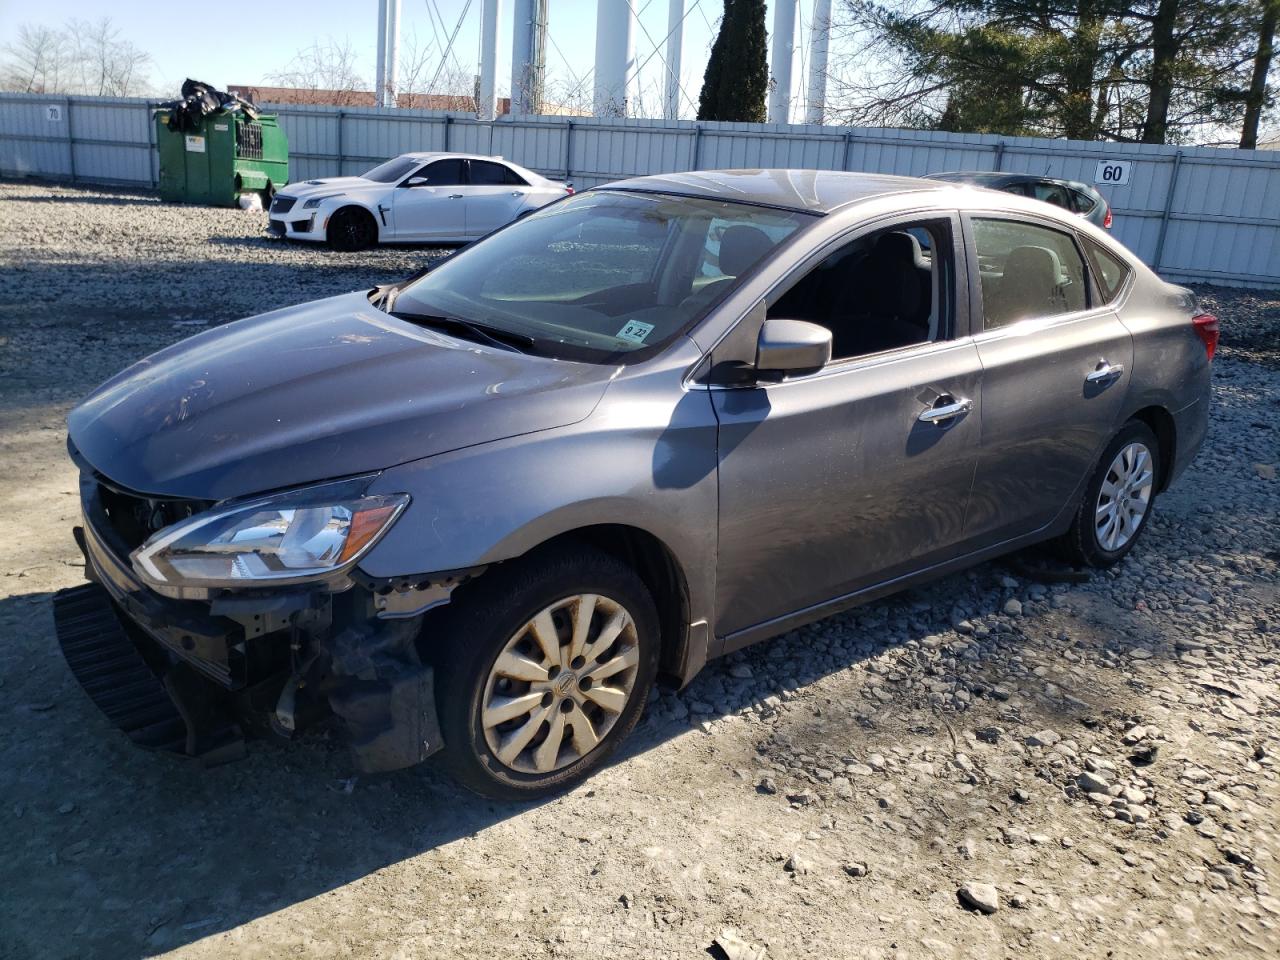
(246, 43)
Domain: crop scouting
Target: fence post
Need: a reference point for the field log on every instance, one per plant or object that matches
(999, 151)
(848, 144)
(448, 123)
(71, 143)
(341, 115)
(568, 150)
(697, 146)
(1168, 209)
(151, 143)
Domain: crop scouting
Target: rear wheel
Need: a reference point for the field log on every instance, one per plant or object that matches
(352, 229)
(545, 668)
(1118, 501)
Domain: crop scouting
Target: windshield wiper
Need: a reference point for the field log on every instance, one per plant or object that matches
(494, 336)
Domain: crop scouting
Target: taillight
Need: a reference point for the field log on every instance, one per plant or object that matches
(1106, 221)
(569, 189)
(1206, 325)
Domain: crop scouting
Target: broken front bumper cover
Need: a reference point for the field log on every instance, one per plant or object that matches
(178, 674)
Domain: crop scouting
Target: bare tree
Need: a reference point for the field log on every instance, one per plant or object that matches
(35, 60)
(328, 66)
(83, 57)
(425, 71)
(102, 63)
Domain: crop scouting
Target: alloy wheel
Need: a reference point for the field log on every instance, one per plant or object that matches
(1124, 497)
(560, 684)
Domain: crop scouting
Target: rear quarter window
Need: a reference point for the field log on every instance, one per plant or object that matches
(1109, 271)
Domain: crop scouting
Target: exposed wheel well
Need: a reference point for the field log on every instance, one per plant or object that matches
(1161, 423)
(661, 573)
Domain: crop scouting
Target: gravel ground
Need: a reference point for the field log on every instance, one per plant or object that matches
(989, 766)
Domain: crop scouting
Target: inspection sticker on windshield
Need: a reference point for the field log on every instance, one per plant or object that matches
(635, 331)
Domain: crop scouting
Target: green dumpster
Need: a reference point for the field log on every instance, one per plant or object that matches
(227, 156)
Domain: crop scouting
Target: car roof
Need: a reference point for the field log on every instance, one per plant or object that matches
(441, 154)
(993, 178)
(815, 191)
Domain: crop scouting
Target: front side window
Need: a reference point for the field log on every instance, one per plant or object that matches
(882, 291)
(392, 170)
(443, 173)
(602, 274)
(1027, 271)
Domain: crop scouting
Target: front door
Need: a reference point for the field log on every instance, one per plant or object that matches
(435, 208)
(838, 480)
(1056, 369)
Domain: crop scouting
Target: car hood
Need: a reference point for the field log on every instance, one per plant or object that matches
(326, 389)
(327, 185)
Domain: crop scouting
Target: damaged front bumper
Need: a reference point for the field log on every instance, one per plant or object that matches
(198, 675)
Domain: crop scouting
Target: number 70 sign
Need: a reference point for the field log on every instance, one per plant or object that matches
(1114, 173)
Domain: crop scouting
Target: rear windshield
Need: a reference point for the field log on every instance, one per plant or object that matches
(605, 274)
(392, 170)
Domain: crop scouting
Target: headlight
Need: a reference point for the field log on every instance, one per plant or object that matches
(297, 536)
(316, 201)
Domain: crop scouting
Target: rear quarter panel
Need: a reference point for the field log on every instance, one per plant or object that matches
(1170, 368)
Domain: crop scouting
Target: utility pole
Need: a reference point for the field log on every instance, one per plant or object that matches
(819, 43)
(615, 58)
(783, 60)
(675, 43)
(487, 105)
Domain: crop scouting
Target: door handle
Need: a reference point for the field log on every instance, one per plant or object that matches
(1105, 372)
(942, 411)
(516, 193)
(455, 196)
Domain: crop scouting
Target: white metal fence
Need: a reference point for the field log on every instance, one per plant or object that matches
(1193, 213)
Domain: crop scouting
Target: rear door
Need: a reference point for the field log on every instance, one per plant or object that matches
(433, 210)
(495, 194)
(1056, 367)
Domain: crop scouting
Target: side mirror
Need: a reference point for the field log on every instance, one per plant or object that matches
(416, 182)
(792, 346)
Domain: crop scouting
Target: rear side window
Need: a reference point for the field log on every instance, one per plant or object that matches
(1027, 271)
(1109, 270)
(486, 174)
(1052, 193)
(443, 173)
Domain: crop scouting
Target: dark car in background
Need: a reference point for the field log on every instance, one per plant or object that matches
(1080, 198)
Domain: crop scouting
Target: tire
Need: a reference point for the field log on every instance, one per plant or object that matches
(351, 229)
(1088, 542)
(500, 609)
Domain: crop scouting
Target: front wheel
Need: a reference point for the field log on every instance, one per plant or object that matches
(544, 668)
(1118, 500)
(352, 229)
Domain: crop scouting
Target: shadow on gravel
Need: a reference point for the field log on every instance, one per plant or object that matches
(126, 853)
(112, 851)
(79, 198)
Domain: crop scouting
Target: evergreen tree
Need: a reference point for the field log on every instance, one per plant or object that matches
(737, 78)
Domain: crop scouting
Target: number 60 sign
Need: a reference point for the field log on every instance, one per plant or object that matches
(1114, 173)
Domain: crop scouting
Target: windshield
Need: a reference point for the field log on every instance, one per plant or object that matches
(603, 274)
(392, 170)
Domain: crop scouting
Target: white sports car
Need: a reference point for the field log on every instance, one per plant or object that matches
(413, 198)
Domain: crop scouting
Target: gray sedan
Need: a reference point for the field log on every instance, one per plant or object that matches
(482, 511)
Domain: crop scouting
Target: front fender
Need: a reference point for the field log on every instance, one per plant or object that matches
(646, 458)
